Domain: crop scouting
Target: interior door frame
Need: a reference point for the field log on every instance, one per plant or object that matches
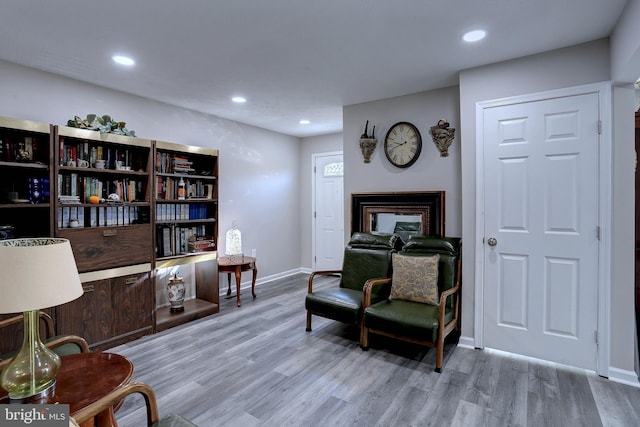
(603, 90)
(314, 160)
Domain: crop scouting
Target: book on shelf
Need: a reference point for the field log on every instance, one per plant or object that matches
(67, 199)
(201, 243)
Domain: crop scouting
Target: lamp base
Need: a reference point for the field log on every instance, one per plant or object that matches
(41, 396)
(33, 369)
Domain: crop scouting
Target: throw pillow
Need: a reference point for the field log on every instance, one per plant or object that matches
(415, 278)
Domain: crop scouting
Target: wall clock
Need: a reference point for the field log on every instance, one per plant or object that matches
(403, 144)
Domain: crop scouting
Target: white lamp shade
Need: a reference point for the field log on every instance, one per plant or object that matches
(37, 273)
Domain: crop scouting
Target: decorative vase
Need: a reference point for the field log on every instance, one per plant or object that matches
(367, 145)
(175, 293)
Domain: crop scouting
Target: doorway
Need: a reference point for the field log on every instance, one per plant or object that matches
(328, 211)
(539, 232)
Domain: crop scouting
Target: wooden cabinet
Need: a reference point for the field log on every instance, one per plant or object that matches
(25, 178)
(89, 316)
(115, 170)
(186, 232)
(97, 248)
(131, 208)
(25, 202)
(103, 207)
(112, 310)
(186, 199)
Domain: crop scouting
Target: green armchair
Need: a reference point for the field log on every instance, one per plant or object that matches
(366, 256)
(403, 316)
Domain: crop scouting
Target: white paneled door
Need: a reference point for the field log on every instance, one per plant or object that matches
(541, 229)
(328, 211)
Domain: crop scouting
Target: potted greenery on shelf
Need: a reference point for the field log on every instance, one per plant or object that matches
(102, 124)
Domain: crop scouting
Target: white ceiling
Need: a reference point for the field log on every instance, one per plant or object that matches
(291, 59)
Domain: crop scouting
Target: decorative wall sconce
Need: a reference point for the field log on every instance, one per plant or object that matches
(368, 143)
(442, 136)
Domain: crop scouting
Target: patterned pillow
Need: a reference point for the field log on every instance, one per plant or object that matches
(415, 278)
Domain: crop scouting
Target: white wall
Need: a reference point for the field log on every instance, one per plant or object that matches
(625, 70)
(625, 45)
(430, 172)
(573, 66)
(259, 173)
(310, 146)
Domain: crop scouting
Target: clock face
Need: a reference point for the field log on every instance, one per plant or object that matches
(403, 144)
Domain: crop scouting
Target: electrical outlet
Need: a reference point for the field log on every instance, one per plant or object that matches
(253, 253)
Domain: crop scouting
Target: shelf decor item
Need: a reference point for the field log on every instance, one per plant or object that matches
(102, 124)
(368, 143)
(403, 144)
(442, 136)
(175, 293)
(233, 246)
(41, 273)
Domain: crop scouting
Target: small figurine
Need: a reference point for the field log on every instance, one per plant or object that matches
(23, 155)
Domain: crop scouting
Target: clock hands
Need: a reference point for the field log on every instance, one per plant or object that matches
(398, 145)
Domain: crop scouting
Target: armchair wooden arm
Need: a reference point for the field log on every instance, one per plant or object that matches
(115, 397)
(367, 290)
(310, 288)
(444, 330)
(320, 273)
(50, 340)
(69, 339)
(94, 411)
(19, 318)
(58, 342)
(446, 294)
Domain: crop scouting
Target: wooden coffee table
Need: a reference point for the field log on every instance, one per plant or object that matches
(237, 264)
(86, 377)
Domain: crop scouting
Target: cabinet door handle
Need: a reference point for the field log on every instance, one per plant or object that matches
(130, 280)
(109, 233)
(87, 288)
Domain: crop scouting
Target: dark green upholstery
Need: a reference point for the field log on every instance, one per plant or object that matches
(407, 229)
(61, 350)
(60, 344)
(418, 322)
(174, 420)
(406, 318)
(449, 250)
(367, 256)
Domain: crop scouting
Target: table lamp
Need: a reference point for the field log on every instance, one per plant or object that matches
(38, 273)
(233, 241)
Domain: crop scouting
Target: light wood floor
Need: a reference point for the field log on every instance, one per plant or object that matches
(256, 366)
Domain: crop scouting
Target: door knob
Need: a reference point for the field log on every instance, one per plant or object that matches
(492, 241)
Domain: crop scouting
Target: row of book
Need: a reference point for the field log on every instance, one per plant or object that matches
(99, 216)
(71, 152)
(20, 149)
(175, 240)
(182, 211)
(172, 163)
(167, 188)
(128, 190)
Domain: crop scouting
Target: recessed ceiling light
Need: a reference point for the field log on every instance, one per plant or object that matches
(239, 99)
(474, 36)
(123, 60)
(305, 122)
